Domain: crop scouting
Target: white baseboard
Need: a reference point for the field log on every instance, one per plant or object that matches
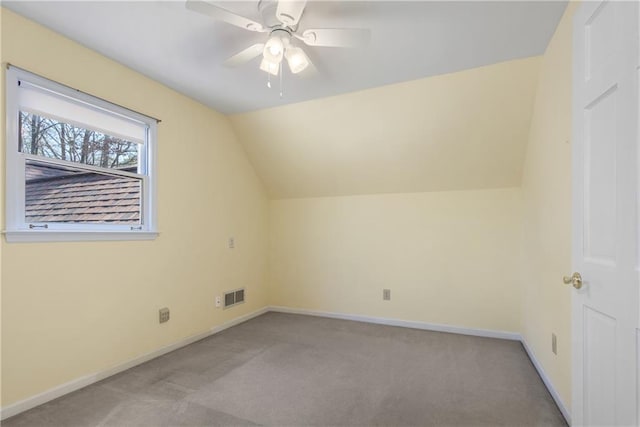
(403, 323)
(78, 383)
(547, 382)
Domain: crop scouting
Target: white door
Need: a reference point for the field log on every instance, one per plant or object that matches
(605, 220)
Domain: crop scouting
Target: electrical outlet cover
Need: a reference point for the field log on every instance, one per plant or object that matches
(164, 315)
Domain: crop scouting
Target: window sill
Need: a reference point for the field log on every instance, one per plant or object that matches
(76, 236)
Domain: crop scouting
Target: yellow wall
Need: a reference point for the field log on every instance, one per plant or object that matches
(448, 257)
(70, 309)
(458, 131)
(546, 192)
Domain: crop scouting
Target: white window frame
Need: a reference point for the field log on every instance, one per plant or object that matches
(17, 229)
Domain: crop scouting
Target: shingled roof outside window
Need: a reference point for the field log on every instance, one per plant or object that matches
(57, 194)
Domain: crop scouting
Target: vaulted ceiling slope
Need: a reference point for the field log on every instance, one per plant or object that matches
(409, 40)
(459, 131)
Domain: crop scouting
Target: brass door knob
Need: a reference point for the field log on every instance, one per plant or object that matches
(575, 280)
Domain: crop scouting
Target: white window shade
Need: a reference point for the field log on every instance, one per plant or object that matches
(41, 101)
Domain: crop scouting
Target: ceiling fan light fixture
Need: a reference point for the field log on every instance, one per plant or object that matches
(297, 59)
(274, 49)
(270, 67)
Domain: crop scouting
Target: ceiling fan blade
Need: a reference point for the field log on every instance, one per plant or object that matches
(336, 37)
(223, 15)
(245, 55)
(290, 11)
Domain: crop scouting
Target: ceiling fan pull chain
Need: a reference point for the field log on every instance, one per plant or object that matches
(269, 80)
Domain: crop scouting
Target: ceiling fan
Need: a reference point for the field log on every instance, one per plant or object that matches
(280, 19)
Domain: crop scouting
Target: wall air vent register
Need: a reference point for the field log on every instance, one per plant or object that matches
(233, 298)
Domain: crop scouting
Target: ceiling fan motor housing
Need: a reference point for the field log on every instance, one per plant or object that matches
(283, 34)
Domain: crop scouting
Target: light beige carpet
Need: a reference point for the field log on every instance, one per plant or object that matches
(292, 370)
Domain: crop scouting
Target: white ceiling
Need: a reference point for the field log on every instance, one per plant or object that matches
(410, 40)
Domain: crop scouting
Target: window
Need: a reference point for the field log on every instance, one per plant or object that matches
(78, 167)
